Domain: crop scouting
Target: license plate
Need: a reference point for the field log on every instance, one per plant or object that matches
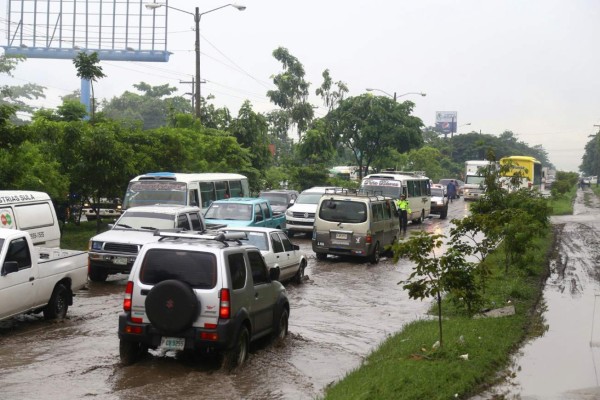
(341, 236)
(120, 260)
(172, 343)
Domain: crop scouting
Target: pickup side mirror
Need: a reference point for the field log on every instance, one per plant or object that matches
(291, 203)
(295, 247)
(9, 267)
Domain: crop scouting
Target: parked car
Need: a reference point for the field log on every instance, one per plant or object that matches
(300, 217)
(354, 224)
(244, 211)
(37, 279)
(278, 251)
(439, 201)
(280, 199)
(114, 251)
(210, 294)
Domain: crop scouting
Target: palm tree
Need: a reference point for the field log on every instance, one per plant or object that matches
(88, 68)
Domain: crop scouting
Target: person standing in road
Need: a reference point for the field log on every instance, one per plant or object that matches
(451, 190)
(403, 211)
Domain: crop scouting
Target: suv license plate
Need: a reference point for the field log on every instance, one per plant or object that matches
(120, 260)
(341, 236)
(172, 343)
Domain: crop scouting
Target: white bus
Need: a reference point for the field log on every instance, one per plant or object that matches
(415, 185)
(186, 189)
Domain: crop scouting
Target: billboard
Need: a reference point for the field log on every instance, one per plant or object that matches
(445, 122)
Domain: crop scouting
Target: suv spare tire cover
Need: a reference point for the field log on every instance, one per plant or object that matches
(171, 306)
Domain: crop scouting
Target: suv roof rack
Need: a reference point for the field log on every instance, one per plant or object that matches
(411, 173)
(222, 237)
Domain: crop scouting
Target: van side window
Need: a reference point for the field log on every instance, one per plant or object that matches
(259, 269)
(182, 222)
(196, 224)
(235, 189)
(417, 188)
(237, 270)
(221, 190)
(19, 251)
(374, 212)
(387, 210)
(410, 187)
(277, 245)
(193, 198)
(207, 191)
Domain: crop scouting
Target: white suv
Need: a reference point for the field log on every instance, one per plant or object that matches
(300, 218)
(207, 293)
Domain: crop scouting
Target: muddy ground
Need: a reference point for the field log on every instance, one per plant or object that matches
(343, 310)
(564, 363)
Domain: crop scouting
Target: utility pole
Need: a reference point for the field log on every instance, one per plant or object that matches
(193, 82)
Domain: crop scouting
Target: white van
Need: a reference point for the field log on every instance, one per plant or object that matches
(32, 212)
(300, 217)
(355, 223)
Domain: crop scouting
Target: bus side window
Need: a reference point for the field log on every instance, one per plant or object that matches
(207, 191)
(193, 198)
(410, 186)
(221, 190)
(425, 188)
(235, 189)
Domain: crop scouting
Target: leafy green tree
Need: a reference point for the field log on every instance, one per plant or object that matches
(369, 124)
(292, 90)
(251, 132)
(331, 98)
(429, 160)
(434, 272)
(13, 98)
(88, 69)
(590, 162)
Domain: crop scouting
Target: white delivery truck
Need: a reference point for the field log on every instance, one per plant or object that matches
(32, 212)
(474, 180)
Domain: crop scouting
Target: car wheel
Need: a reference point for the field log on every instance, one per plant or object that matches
(374, 258)
(97, 275)
(299, 277)
(321, 256)
(238, 354)
(59, 303)
(131, 352)
(281, 329)
(171, 306)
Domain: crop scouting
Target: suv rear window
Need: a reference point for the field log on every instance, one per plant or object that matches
(343, 211)
(198, 269)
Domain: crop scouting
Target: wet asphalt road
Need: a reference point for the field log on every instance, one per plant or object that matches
(343, 310)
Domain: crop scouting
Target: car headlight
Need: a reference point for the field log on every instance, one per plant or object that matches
(95, 245)
(289, 213)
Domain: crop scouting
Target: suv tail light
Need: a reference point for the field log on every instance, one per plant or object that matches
(225, 305)
(127, 299)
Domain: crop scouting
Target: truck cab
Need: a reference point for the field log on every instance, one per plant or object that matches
(244, 211)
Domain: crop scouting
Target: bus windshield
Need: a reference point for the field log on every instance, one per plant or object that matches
(143, 193)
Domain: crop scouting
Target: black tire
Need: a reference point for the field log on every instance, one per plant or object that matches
(238, 354)
(131, 352)
(291, 234)
(280, 330)
(59, 303)
(375, 255)
(171, 306)
(299, 277)
(321, 256)
(444, 213)
(97, 275)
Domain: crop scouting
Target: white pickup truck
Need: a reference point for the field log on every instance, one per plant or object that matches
(36, 279)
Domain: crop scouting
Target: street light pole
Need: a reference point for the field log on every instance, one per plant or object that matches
(395, 96)
(197, 14)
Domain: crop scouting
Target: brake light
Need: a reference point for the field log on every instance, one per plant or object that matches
(127, 299)
(368, 238)
(224, 306)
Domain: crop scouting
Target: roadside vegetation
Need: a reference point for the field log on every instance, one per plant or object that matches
(457, 351)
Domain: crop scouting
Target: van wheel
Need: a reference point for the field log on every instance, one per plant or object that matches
(238, 354)
(59, 303)
(299, 277)
(97, 275)
(321, 256)
(281, 328)
(131, 352)
(374, 258)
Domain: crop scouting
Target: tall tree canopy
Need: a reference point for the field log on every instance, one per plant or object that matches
(88, 68)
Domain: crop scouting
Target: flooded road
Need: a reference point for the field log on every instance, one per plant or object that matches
(342, 311)
(565, 362)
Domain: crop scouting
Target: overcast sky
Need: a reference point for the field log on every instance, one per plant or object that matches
(528, 66)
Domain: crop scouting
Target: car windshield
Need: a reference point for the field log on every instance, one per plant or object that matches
(309, 198)
(437, 192)
(230, 211)
(343, 211)
(475, 180)
(145, 220)
(276, 199)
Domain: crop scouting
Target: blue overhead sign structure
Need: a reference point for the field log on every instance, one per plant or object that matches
(121, 30)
